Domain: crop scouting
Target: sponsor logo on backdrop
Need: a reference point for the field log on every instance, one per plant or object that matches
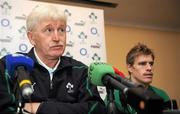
(22, 17)
(5, 8)
(97, 45)
(68, 54)
(68, 28)
(93, 17)
(5, 22)
(6, 39)
(23, 47)
(67, 12)
(94, 31)
(70, 44)
(22, 32)
(95, 57)
(101, 90)
(80, 23)
(82, 36)
(3, 52)
(83, 51)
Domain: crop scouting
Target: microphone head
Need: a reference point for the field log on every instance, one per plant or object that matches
(26, 93)
(118, 72)
(97, 71)
(15, 60)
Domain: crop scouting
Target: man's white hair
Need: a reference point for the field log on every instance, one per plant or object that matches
(43, 12)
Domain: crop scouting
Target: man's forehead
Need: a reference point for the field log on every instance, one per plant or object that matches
(49, 21)
(144, 58)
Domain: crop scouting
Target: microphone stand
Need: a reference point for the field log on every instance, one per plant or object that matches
(111, 107)
(20, 105)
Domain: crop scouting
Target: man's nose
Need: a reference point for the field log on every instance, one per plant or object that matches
(56, 36)
(148, 66)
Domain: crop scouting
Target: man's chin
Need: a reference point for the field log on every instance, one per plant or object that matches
(57, 53)
(148, 82)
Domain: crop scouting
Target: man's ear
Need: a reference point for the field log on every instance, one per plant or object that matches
(31, 37)
(129, 67)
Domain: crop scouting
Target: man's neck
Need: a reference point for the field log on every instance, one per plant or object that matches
(46, 61)
(145, 86)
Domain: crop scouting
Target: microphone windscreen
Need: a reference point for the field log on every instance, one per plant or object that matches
(15, 60)
(118, 72)
(97, 71)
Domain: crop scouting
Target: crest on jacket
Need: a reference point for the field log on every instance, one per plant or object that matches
(70, 87)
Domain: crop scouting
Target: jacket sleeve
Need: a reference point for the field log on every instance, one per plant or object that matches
(7, 99)
(88, 101)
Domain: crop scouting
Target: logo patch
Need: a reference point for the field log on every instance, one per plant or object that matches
(70, 87)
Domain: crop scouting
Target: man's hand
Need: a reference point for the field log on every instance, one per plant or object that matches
(31, 107)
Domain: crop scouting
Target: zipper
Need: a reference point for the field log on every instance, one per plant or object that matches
(51, 78)
(51, 84)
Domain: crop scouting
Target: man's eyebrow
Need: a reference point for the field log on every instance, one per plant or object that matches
(145, 62)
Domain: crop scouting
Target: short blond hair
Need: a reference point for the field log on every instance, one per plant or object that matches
(42, 12)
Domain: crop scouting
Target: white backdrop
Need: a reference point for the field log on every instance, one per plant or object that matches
(85, 31)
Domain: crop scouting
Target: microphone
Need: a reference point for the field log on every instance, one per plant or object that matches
(19, 66)
(121, 78)
(145, 101)
(102, 74)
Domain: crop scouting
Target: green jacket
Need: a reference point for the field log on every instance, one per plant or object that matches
(130, 110)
